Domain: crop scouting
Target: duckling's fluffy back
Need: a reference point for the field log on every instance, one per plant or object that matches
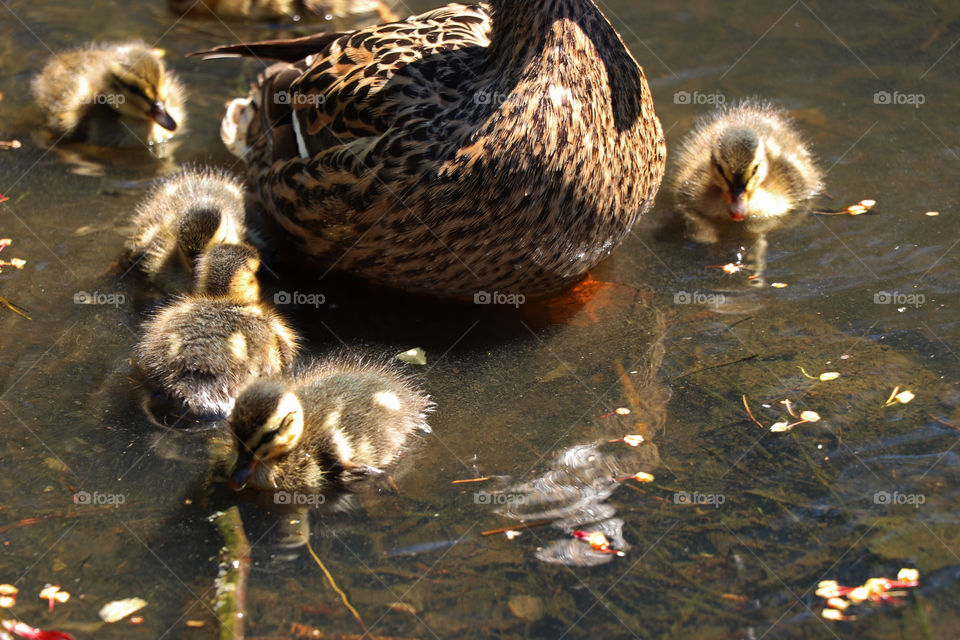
(792, 170)
(203, 350)
(159, 229)
(377, 406)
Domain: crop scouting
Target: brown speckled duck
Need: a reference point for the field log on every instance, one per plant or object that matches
(277, 9)
(508, 146)
(110, 94)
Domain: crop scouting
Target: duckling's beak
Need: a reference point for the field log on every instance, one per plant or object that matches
(246, 463)
(737, 202)
(158, 114)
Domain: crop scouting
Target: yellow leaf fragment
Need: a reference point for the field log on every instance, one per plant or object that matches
(810, 416)
(908, 575)
(780, 427)
(904, 397)
(838, 603)
(779, 285)
(119, 609)
(828, 376)
(932, 214)
(633, 440)
(644, 477)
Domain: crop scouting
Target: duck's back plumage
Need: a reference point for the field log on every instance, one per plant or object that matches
(508, 146)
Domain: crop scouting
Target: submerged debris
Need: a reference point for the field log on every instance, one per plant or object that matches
(876, 590)
(119, 609)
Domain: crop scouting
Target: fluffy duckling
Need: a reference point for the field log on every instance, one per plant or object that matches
(745, 165)
(181, 218)
(202, 349)
(326, 427)
(110, 94)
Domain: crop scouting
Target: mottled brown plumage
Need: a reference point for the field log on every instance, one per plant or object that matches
(291, 9)
(508, 146)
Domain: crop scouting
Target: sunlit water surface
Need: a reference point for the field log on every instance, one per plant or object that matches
(740, 524)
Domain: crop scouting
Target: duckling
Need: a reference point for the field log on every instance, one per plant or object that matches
(110, 94)
(201, 349)
(326, 427)
(184, 215)
(744, 165)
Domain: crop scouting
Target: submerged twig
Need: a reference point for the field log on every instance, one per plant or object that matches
(232, 580)
(343, 596)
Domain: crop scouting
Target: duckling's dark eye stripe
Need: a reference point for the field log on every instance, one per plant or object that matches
(131, 88)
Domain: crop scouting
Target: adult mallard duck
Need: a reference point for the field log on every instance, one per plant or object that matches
(274, 9)
(508, 147)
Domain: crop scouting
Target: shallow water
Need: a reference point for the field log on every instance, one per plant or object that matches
(524, 396)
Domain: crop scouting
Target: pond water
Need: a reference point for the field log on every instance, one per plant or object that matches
(731, 538)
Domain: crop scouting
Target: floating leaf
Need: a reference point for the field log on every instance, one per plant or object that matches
(810, 416)
(119, 609)
(828, 376)
(904, 397)
(413, 356)
(780, 427)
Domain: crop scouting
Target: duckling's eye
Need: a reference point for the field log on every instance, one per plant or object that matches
(132, 89)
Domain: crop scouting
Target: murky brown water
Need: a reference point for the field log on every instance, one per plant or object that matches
(522, 396)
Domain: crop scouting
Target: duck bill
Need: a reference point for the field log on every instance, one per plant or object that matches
(737, 203)
(158, 113)
(246, 463)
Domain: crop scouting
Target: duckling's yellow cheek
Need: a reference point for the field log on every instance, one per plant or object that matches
(387, 399)
(174, 346)
(238, 346)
